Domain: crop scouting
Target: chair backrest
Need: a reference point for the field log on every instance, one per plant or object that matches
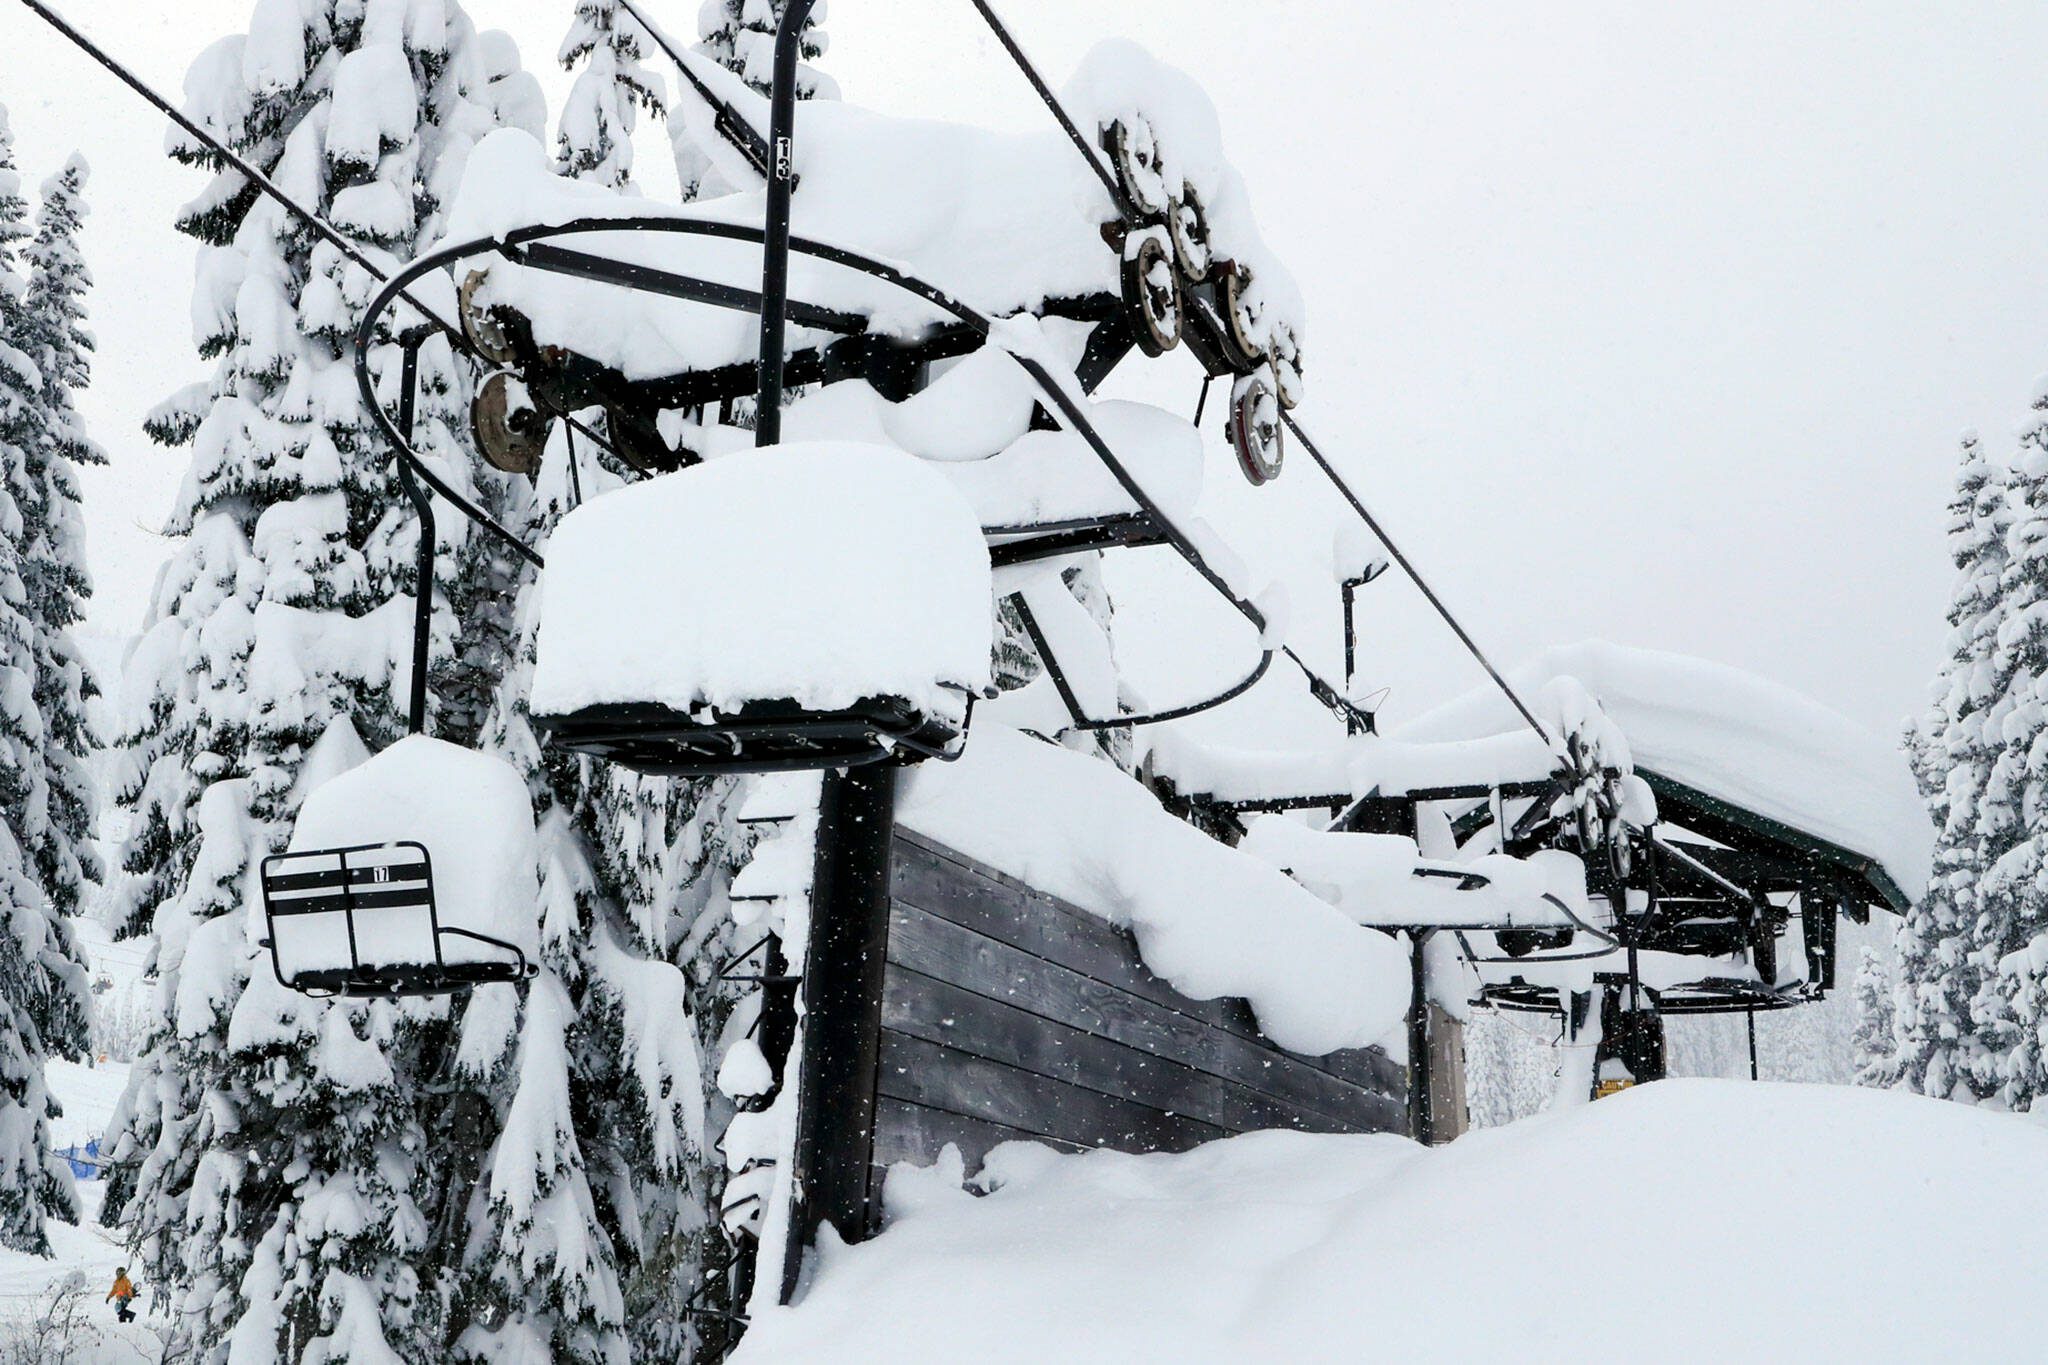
(348, 909)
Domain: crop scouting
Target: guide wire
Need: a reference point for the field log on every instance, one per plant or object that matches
(1415, 576)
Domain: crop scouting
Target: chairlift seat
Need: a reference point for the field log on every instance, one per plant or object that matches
(362, 921)
(804, 606)
(412, 872)
(762, 737)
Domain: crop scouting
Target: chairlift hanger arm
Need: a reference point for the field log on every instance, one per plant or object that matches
(741, 135)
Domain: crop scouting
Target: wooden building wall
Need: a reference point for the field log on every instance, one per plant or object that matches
(1007, 1013)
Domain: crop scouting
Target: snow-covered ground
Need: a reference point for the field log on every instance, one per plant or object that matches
(28, 1284)
(1706, 1220)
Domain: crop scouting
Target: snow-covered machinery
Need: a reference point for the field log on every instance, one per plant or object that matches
(943, 301)
(949, 298)
(1715, 827)
(922, 312)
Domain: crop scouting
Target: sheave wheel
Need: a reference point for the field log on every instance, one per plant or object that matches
(1190, 229)
(1151, 289)
(1136, 156)
(1287, 366)
(510, 431)
(484, 331)
(638, 441)
(1255, 434)
(1239, 326)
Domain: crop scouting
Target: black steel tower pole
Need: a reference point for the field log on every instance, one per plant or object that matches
(775, 249)
(423, 506)
(1421, 1077)
(844, 968)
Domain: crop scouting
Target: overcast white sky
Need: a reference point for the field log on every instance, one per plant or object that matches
(1650, 322)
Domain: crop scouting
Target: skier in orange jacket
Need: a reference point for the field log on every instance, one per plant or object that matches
(123, 1296)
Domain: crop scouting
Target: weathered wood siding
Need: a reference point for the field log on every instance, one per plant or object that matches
(1007, 1013)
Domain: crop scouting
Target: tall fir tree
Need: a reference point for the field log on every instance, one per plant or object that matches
(43, 1000)
(282, 1162)
(2007, 1008)
(58, 584)
(1965, 770)
(594, 136)
(635, 872)
(740, 36)
(625, 1017)
(1876, 1036)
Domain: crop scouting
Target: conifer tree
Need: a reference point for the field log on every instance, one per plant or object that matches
(279, 1183)
(628, 1004)
(594, 137)
(54, 547)
(42, 980)
(1973, 787)
(1875, 1040)
(740, 36)
(2007, 1009)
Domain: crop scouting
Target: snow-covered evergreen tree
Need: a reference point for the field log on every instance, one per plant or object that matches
(1875, 1037)
(594, 137)
(43, 1001)
(53, 548)
(626, 1016)
(1972, 777)
(740, 36)
(277, 1177)
(2012, 894)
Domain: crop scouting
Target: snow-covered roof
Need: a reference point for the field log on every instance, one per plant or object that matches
(1207, 918)
(823, 573)
(1732, 736)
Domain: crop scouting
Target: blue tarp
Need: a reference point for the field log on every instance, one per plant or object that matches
(85, 1161)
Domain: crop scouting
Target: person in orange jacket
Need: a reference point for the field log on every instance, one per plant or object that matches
(123, 1296)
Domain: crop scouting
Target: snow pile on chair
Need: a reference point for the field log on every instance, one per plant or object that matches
(1382, 879)
(822, 573)
(470, 812)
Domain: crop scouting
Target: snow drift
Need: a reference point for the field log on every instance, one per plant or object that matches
(1703, 1220)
